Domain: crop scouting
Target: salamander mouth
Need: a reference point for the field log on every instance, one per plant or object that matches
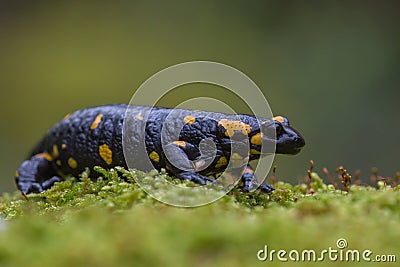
(297, 150)
(290, 145)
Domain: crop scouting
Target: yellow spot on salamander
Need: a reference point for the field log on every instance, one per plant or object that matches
(237, 160)
(180, 143)
(16, 174)
(47, 156)
(236, 156)
(221, 162)
(63, 146)
(232, 126)
(105, 153)
(55, 151)
(255, 152)
(67, 116)
(58, 162)
(96, 121)
(154, 156)
(256, 139)
(279, 119)
(189, 119)
(139, 117)
(72, 163)
(248, 170)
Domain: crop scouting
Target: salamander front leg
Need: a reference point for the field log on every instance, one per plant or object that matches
(249, 181)
(35, 175)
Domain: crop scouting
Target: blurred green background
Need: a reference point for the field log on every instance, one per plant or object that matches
(331, 67)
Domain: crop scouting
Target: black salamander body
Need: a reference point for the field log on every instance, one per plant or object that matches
(93, 137)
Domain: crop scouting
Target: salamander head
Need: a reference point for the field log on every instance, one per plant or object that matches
(276, 131)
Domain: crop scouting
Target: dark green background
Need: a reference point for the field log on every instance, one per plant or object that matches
(332, 67)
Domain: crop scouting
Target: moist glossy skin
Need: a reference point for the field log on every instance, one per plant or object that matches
(93, 137)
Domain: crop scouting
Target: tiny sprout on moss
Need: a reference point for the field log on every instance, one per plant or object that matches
(357, 174)
(356, 179)
(309, 171)
(274, 178)
(374, 176)
(84, 178)
(384, 180)
(388, 181)
(375, 179)
(327, 174)
(344, 177)
(393, 182)
(311, 166)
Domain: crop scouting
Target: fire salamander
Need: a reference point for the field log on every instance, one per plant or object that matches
(93, 137)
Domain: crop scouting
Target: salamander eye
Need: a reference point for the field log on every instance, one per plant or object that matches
(279, 129)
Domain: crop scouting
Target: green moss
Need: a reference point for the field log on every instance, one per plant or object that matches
(112, 222)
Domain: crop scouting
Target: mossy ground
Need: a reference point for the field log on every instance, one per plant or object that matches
(112, 222)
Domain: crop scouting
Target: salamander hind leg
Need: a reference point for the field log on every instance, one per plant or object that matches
(194, 177)
(183, 167)
(36, 174)
(266, 188)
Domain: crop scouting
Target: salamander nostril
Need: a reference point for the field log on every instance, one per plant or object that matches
(299, 141)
